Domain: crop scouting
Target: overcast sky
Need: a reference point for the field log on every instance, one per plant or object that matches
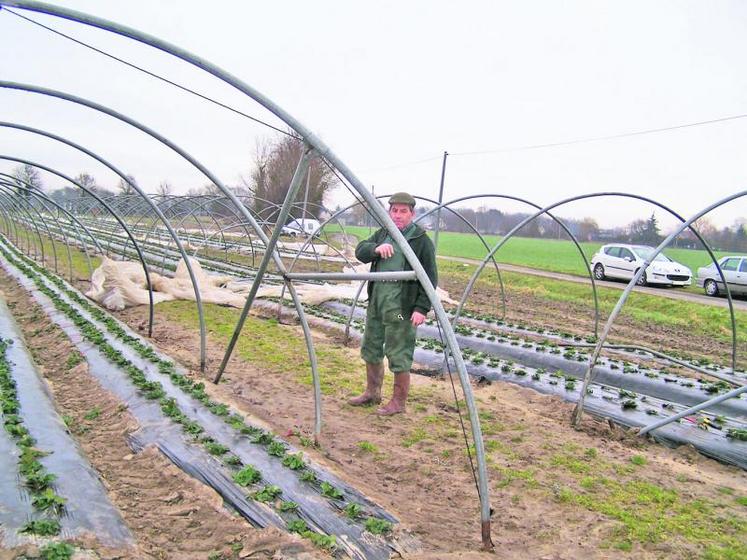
(391, 85)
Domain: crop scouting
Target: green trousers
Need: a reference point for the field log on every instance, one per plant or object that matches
(388, 331)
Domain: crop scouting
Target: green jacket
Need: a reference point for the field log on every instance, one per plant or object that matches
(414, 297)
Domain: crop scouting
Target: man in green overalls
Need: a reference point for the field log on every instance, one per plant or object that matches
(396, 308)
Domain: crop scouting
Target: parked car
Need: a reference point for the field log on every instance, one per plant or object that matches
(619, 260)
(734, 268)
(304, 227)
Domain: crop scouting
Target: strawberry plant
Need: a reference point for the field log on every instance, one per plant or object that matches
(38, 481)
(42, 527)
(233, 461)
(308, 476)
(288, 506)
(327, 542)
(263, 438)
(246, 476)
(49, 500)
(268, 493)
(57, 551)
(737, 433)
(294, 462)
(297, 526)
(330, 491)
(276, 448)
(378, 526)
(353, 511)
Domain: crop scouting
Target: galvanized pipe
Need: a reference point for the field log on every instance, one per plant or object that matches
(437, 229)
(155, 135)
(16, 204)
(705, 404)
(94, 195)
(54, 247)
(295, 184)
(508, 236)
(39, 194)
(325, 152)
(557, 220)
(405, 275)
(578, 412)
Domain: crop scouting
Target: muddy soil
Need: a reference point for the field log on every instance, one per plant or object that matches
(170, 514)
(416, 466)
(423, 475)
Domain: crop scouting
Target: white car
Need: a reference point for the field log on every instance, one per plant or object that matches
(734, 268)
(304, 227)
(623, 261)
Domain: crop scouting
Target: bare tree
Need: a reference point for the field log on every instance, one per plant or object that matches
(29, 176)
(87, 181)
(164, 188)
(274, 165)
(125, 187)
(588, 229)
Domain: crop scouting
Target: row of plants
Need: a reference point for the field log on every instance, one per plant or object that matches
(492, 321)
(627, 400)
(39, 482)
(571, 354)
(705, 363)
(153, 390)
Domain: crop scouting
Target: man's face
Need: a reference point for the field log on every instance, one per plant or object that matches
(401, 215)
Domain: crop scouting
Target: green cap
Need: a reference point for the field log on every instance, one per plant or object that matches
(402, 198)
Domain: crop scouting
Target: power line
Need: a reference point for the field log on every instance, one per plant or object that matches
(406, 164)
(149, 73)
(396, 166)
(565, 142)
(600, 138)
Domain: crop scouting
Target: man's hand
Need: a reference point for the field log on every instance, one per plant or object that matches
(417, 318)
(385, 250)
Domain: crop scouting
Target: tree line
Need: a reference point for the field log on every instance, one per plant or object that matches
(273, 164)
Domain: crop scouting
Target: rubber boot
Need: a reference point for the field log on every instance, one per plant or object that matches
(374, 379)
(399, 396)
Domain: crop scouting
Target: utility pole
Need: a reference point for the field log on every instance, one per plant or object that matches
(440, 201)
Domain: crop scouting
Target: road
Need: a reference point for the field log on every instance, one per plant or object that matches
(672, 293)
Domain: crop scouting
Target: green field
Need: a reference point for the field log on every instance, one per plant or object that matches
(555, 255)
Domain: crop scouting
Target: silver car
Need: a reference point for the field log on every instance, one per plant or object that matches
(734, 268)
(619, 260)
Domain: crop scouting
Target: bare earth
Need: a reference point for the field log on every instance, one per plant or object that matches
(414, 465)
(170, 514)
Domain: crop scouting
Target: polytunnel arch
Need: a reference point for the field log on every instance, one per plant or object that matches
(19, 205)
(687, 224)
(341, 211)
(320, 147)
(44, 223)
(191, 213)
(41, 196)
(93, 195)
(119, 116)
(270, 251)
(554, 218)
(12, 226)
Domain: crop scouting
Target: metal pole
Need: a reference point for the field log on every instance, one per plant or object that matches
(97, 198)
(306, 156)
(440, 202)
(351, 277)
(305, 199)
(326, 153)
(715, 400)
(578, 412)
